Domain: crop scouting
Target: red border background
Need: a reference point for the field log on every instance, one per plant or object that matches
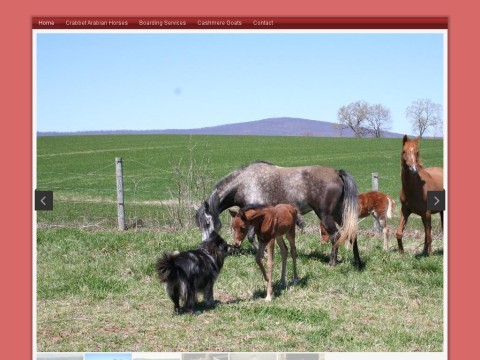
(16, 184)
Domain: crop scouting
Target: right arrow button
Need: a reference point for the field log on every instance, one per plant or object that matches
(436, 200)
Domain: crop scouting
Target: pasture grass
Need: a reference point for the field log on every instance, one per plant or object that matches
(81, 169)
(97, 289)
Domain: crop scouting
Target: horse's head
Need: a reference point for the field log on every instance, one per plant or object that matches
(204, 220)
(240, 227)
(411, 154)
(207, 216)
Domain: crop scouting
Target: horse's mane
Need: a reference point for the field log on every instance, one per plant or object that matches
(257, 162)
(234, 173)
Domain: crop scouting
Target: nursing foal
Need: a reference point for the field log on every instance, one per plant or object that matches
(270, 223)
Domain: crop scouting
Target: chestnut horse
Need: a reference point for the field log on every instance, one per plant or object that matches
(416, 182)
(270, 223)
(377, 204)
(380, 206)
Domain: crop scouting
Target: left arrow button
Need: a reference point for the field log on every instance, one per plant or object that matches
(43, 200)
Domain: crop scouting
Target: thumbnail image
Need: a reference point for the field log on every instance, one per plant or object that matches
(217, 356)
(60, 356)
(253, 356)
(108, 356)
(156, 356)
(301, 356)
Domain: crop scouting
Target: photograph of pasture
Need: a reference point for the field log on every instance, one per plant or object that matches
(173, 119)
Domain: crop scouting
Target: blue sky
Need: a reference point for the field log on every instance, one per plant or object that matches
(143, 81)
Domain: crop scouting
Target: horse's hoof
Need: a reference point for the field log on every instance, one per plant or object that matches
(295, 281)
(268, 298)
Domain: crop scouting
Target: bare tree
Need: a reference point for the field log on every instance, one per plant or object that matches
(424, 114)
(379, 120)
(354, 116)
(363, 118)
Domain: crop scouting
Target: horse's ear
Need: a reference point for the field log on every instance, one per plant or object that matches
(405, 139)
(206, 206)
(195, 207)
(233, 213)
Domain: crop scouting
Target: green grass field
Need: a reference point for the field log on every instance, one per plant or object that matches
(96, 286)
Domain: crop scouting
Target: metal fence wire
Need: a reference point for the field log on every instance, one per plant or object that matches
(158, 199)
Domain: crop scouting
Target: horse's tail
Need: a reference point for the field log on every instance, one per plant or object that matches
(390, 207)
(348, 230)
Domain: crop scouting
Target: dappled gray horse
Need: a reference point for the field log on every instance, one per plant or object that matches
(330, 193)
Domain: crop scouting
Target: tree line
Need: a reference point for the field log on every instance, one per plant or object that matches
(365, 119)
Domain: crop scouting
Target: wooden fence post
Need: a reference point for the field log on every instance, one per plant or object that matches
(375, 181)
(376, 226)
(120, 203)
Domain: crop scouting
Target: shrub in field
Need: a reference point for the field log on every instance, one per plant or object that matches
(191, 183)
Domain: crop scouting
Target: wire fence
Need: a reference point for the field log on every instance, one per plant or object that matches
(154, 198)
(160, 199)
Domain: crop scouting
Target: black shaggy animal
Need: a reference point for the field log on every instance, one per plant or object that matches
(186, 273)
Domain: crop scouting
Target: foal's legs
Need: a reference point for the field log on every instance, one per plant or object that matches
(251, 237)
(383, 225)
(404, 214)
(259, 258)
(324, 237)
(270, 248)
(333, 235)
(293, 253)
(377, 224)
(284, 252)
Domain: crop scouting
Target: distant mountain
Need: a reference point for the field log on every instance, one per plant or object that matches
(284, 126)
